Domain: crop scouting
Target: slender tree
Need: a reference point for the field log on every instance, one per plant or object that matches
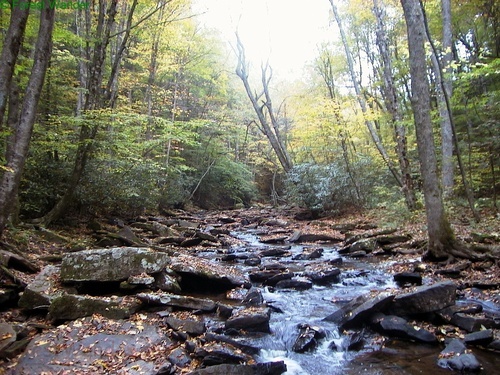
(391, 103)
(19, 140)
(441, 240)
(11, 46)
(265, 113)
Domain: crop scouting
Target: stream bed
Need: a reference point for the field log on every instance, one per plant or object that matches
(293, 307)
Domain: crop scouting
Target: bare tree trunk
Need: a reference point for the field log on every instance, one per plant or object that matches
(273, 133)
(11, 177)
(448, 165)
(447, 112)
(362, 102)
(440, 235)
(391, 102)
(11, 46)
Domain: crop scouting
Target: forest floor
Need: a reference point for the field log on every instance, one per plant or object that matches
(77, 234)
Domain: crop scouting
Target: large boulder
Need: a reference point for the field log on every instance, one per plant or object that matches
(115, 264)
(424, 299)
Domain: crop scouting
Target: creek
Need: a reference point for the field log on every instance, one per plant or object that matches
(292, 308)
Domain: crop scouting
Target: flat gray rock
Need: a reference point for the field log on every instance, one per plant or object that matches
(93, 345)
(115, 264)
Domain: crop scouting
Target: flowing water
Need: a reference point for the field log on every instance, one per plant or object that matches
(313, 305)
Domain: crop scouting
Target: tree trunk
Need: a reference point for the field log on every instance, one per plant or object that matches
(362, 102)
(273, 133)
(391, 102)
(11, 46)
(92, 100)
(12, 175)
(448, 165)
(440, 235)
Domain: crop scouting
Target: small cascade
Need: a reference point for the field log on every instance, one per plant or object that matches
(293, 308)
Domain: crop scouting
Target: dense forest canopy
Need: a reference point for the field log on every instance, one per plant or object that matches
(143, 108)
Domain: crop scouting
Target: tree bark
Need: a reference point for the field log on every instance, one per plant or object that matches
(448, 166)
(441, 239)
(11, 177)
(391, 103)
(11, 46)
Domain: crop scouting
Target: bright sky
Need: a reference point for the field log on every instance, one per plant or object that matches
(287, 32)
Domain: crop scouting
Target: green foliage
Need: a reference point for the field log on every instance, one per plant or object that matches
(227, 184)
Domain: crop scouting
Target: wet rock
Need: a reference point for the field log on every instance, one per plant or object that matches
(179, 357)
(482, 338)
(193, 327)
(358, 312)
(44, 288)
(253, 261)
(355, 340)
(309, 254)
(264, 275)
(424, 299)
(323, 238)
(272, 239)
(454, 357)
(403, 278)
(197, 273)
(253, 319)
(342, 313)
(282, 276)
(395, 326)
(362, 313)
(457, 316)
(253, 297)
(275, 252)
(224, 311)
(494, 345)
(70, 306)
(308, 338)
(268, 368)
(215, 353)
(184, 302)
(245, 348)
(358, 254)
(298, 283)
(323, 274)
(115, 264)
